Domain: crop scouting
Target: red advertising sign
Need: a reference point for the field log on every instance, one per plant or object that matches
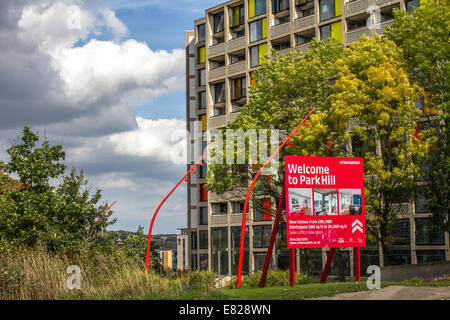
(324, 202)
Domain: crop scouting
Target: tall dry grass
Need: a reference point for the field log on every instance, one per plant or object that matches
(36, 274)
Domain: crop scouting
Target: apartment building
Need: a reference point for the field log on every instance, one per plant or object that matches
(182, 250)
(226, 46)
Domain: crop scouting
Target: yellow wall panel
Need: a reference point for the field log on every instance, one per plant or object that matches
(336, 31)
(264, 28)
(262, 53)
(337, 8)
(201, 55)
(251, 8)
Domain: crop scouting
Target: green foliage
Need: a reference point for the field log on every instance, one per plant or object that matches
(62, 217)
(134, 247)
(203, 281)
(438, 190)
(423, 37)
(279, 278)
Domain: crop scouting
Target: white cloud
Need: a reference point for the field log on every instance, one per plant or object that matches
(129, 70)
(153, 138)
(115, 25)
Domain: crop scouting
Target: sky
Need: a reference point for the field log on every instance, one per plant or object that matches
(107, 80)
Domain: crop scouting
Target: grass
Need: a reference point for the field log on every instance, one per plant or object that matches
(27, 274)
(315, 290)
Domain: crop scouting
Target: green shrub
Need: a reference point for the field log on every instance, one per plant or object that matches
(279, 278)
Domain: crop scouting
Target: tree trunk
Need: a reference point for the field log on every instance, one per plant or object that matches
(309, 263)
(384, 250)
(340, 266)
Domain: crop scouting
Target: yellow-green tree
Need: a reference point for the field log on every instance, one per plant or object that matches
(373, 115)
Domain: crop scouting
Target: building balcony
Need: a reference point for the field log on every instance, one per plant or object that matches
(219, 219)
(352, 36)
(216, 49)
(238, 67)
(217, 73)
(237, 43)
(383, 25)
(279, 30)
(304, 22)
(237, 218)
(216, 122)
(356, 6)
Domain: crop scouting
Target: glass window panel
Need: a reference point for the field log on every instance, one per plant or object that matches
(203, 239)
(202, 100)
(218, 22)
(202, 77)
(203, 216)
(201, 32)
(194, 265)
(325, 32)
(194, 240)
(219, 250)
(204, 262)
(260, 7)
(235, 233)
(326, 9)
(254, 56)
(261, 236)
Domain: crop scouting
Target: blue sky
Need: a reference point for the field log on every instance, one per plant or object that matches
(107, 79)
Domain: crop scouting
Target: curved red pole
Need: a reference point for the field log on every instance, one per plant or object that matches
(147, 260)
(244, 214)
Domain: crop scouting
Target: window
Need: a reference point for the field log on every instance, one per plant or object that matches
(194, 265)
(203, 239)
(421, 200)
(203, 216)
(424, 256)
(201, 32)
(333, 30)
(400, 232)
(203, 170)
(329, 9)
(280, 5)
(237, 57)
(260, 259)
(258, 55)
(235, 237)
(203, 193)
(263, 210)
(261, 236)
(194, 240)
(427, 234)
(238, 16)
(201, 55)
(237, 206)
(204, 262)
(219, 92)
(219, 250)
(202, 77)
(219, 208)
(202, 100)
(258, 30)
(410, 5)
(218, 22)
(256, 8)
(238, 88)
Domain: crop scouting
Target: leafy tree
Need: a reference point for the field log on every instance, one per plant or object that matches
(423, 37)
(135, 248)
(59, 217)
(373, 104)
(287, 89)
(438, 190)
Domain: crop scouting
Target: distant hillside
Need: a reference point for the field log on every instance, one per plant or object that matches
(162, 241)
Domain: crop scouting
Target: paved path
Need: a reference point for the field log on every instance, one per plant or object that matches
(395, 293)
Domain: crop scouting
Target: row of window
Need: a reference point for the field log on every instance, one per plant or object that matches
(262, 209)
